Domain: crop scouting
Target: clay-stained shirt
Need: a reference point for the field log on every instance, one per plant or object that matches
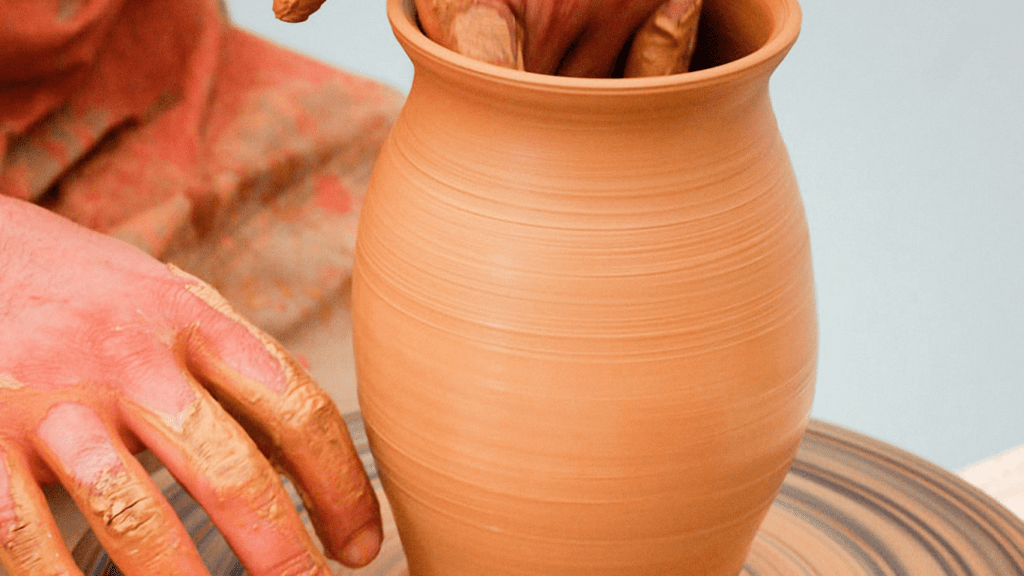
(159, 123)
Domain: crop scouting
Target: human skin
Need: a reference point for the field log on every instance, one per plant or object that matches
(565, 37)
(106, 351)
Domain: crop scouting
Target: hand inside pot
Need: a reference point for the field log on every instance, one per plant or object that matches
(104, 351)
(593, 38)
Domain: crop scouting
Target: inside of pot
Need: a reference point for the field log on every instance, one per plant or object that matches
(730, 30)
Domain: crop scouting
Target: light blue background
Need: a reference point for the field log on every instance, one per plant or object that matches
(905, 125)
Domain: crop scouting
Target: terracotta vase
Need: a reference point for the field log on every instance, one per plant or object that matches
(584, 312)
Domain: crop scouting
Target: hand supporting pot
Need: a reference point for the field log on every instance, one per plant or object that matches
(106, 351)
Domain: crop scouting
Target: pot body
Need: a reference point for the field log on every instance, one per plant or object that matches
(584, 316)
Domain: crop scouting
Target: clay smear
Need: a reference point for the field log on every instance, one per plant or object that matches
(484, 30)
(27, 543)
(284, 419)
(129, 511)
(123, 508)
(222, 454)
(7, 382)
(487, 34)
(295, 10)
(285, 371)
(665, 43)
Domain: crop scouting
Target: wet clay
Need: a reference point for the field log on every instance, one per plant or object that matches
(223, 458)
(665, 43)
(282, 413)
(583, 310)
(295, 406)
(486, 31)
(283, 425)
(295, 10)
(484, 34)
(27, 544)
(222, 454)
(9, 383)
(128, 515)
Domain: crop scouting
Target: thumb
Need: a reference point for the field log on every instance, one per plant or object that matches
(486, 30)
(665, 43)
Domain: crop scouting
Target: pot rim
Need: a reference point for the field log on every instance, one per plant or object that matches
(763, 60)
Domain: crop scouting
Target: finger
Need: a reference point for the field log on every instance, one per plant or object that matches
(665, 43)
(552, 28)
(594, 55)
(212, 456)
(295, 10)
(129, 516)
(596, 52)
(486, 30)
(293, 421)
(30, 543)
(221, 467)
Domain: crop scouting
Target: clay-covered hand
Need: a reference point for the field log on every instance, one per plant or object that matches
(295, 10)
(568, 37)
(104, 351)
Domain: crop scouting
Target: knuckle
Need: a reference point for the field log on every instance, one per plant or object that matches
(305, 405)
(265, 496)
(24, 538)
(22, 542)
(126, 508)
(223, 453)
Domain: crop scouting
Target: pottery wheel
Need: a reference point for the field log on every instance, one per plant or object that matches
(850, 506)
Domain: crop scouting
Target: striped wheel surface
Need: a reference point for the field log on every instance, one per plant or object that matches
(851, 506)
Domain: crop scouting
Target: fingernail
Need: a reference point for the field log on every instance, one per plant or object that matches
(362, 548)
(487, 34)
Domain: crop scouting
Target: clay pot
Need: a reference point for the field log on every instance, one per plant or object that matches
(584, 312)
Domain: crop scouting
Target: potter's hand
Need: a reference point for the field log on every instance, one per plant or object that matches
(104, 350)
(295, 10)
(568, 37)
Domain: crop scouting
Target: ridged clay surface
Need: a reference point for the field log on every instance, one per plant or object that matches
(584, 310)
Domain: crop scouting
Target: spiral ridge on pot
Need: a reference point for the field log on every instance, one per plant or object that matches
(584, 324)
